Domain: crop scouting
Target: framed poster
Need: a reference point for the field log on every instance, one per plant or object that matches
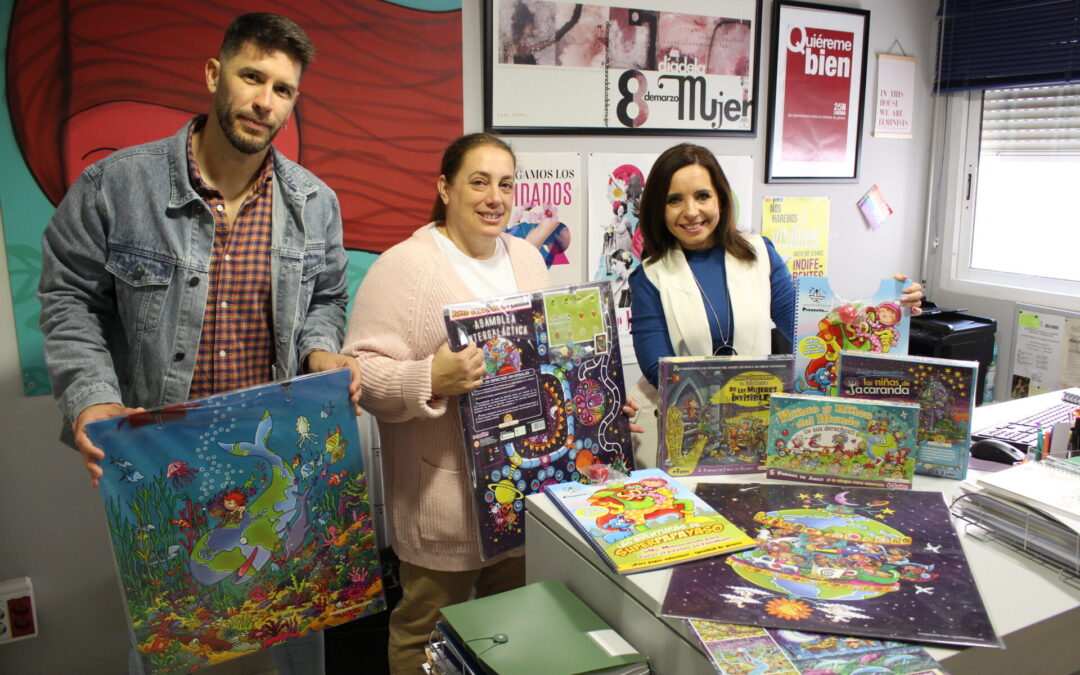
(817, 82)
(660, 67)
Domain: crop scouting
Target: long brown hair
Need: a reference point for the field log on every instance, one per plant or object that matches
(657, 240)
(454, 156)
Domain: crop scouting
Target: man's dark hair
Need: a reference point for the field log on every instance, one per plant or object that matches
(268, 32)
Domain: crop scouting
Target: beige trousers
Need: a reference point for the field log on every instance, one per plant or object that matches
(425, 592)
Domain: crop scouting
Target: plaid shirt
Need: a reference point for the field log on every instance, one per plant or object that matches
(237, 347)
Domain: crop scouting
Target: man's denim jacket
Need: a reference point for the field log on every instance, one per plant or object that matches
(125, 271)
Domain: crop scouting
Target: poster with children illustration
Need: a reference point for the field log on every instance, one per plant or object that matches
(615, 184)
(548, 211)
(825, 324)
(551, 402)
(240, 520)
(848, 561)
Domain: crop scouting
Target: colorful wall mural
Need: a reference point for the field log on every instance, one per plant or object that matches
(83, 78)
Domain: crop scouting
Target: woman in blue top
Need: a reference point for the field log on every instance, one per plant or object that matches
(703, 287)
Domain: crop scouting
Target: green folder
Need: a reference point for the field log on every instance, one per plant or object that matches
(541, 628)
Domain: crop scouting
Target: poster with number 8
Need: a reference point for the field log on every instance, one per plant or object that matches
(658, 67)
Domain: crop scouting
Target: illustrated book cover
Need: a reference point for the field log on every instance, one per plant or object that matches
(551, 402)
(825, 324)
(714, 412)
(239, 520)
(944, 389)
(543, 629)
(739, 650)
(842, 441)
(646, 522)
(848, 561)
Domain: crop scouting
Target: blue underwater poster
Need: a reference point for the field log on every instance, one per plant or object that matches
(240, 520)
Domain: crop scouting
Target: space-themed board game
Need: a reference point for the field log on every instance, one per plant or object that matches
(714, 412)
(240, 520)
(551, 402)
(945, 390)
(848, 561)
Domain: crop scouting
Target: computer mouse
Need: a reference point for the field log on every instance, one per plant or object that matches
(994, 450)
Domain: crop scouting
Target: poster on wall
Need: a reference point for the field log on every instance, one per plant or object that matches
(672, 66)
(548, 211)
(615, 183)
(816, 86)
(799, 229)
(895, 96)
(1046, 351)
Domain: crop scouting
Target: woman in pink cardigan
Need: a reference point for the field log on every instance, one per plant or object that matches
(412, 380)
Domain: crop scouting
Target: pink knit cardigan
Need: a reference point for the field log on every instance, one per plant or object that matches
(395, 327)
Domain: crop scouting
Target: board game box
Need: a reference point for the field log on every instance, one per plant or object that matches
(944, 389)
(714, 412)
(842, 441)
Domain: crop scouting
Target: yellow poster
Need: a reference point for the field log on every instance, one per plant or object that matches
(799, 228)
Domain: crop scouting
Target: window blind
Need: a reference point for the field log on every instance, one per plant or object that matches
(1031, 120)
(1007, 43)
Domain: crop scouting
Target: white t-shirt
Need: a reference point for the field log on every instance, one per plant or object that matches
(485, 278)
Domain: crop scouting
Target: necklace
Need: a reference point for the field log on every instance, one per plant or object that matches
(725, 348)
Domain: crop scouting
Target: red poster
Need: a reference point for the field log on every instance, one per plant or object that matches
(816, 90)
(816, 93)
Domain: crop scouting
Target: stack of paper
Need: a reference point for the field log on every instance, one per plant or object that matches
(1034, 507)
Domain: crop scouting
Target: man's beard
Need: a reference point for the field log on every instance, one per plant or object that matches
(241, 142)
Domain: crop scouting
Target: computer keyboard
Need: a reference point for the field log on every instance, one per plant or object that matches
(1023, 433)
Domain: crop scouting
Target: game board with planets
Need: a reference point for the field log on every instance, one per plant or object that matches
(847, 561)
(551, 403)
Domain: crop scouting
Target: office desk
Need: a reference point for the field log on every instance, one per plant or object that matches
(1036, 614)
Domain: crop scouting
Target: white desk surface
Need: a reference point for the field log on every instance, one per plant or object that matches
(1032, 609)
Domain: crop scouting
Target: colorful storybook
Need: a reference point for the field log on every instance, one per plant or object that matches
(739, 650)
(551, 403)
(646, 522)
(842, 441)
(864, 562)
(240, 520)
(714, 412)
(825, 324)
(944, 389)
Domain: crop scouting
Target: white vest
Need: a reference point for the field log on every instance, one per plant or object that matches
(750, 290)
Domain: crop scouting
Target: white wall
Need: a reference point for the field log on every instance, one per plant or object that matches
(858, 257)
(52, 523)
